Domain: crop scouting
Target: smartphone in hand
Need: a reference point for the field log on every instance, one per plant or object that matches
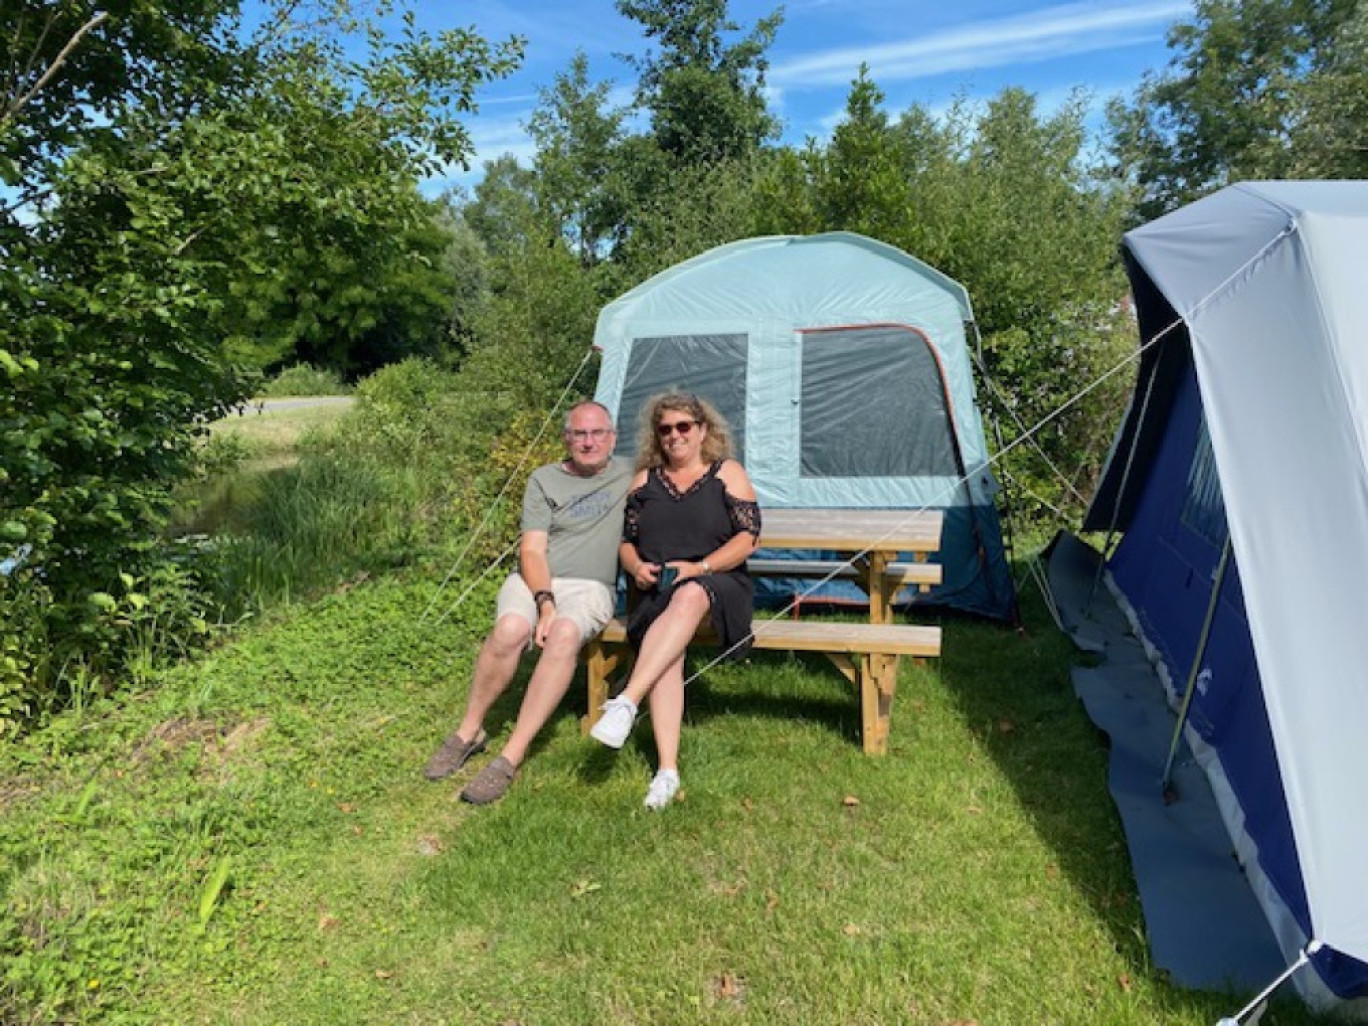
(667, 578)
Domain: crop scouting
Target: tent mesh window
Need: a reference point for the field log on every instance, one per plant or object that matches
(873, 404)
(1203, 510)
(711, 366)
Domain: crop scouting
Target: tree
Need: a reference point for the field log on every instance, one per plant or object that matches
(506, 206)
(536, 326)
(464, 265)
(690, 210)
(577, 139)
(628, 202)
(1255, 89)
(182, 197)
(1331, 139)
(860, 179)
(71, 67)
(705, 91)
(1032, 233)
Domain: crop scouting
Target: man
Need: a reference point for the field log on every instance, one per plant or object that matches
(561, 596)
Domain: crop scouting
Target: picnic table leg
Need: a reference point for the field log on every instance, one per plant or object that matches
(880, 591)
(600, 661)
(921, 557)
(878, 681)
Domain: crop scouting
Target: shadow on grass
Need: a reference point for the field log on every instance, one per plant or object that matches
(781, 678)
(781, 686)
(598, 764)
(1012, 687)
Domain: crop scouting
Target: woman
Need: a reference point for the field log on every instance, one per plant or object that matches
(691, 521)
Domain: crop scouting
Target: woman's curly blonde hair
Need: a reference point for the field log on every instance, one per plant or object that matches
(716, 446)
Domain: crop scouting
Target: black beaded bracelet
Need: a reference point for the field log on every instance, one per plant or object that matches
(537, 597)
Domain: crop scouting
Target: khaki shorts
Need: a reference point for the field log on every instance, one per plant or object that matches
(589, 604)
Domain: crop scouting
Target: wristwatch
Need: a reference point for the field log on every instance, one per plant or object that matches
(543, 596)
(704, 564)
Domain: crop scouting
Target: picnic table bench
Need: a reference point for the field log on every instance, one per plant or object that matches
(867, 654)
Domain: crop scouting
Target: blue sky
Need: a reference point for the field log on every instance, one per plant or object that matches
(927, 53)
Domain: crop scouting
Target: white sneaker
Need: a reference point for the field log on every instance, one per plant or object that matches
(664, 786)
(619, 714)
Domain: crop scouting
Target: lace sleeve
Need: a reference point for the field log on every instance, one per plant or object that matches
(745, 515)
(631, 518)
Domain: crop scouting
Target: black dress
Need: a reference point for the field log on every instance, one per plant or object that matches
(665, 524)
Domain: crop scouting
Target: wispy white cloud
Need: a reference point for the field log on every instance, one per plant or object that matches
(1042, 35)
(522, 99)
(493, 139)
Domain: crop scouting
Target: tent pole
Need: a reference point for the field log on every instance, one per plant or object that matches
(1166, 783)
(1125, 479)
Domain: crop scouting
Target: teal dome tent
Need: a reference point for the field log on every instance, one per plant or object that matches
(842, 365)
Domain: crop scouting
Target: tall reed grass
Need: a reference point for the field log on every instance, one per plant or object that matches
(422, 469)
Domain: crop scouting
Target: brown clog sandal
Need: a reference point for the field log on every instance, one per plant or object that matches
(490, 783)
(453, 755)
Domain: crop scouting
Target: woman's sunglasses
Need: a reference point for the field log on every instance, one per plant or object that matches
(682, 426)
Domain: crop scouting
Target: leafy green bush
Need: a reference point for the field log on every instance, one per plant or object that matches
(22, 602)
(53, 657)
(224, 453)
(303, 380)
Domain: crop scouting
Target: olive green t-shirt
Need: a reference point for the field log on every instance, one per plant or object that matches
(582, 517)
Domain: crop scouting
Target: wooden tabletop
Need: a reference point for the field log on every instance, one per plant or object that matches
(851, 530)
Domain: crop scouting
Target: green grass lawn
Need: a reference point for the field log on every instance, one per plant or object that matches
(976, 874)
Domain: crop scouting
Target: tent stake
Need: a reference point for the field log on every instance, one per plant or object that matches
(1166, 783)
(1303, 957)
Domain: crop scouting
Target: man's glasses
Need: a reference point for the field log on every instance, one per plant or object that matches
(581, 435)
(682, 426)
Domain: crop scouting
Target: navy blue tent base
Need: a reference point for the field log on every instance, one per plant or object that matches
(1204, 926)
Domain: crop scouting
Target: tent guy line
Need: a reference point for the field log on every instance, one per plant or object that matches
(1303, 957)
(531, 447)
(498, 561)
(1021, 426)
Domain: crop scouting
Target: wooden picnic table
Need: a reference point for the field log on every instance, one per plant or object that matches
(866, 653)
(876, 535)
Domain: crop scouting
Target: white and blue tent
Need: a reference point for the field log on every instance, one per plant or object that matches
(1249, 429)
(843, 366)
